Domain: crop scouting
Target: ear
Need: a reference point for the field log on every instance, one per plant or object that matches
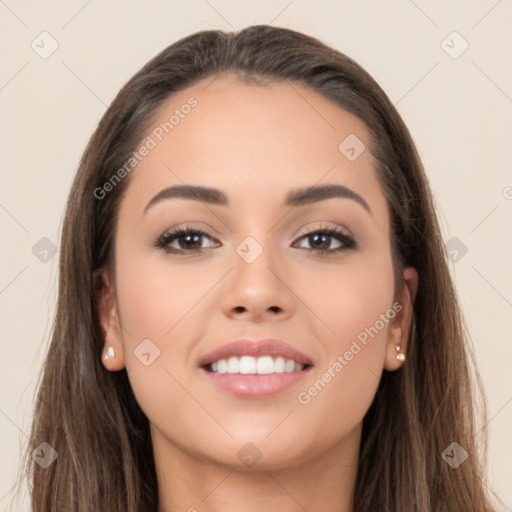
(112, 355)
(400, 325)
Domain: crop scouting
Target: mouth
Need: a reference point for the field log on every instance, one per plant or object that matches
(255, 369)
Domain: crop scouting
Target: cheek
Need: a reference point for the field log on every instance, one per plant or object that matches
(355, 306)
(351, 298)
(155, 293)
(160, 303)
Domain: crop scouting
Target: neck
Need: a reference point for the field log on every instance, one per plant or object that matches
(323, 483)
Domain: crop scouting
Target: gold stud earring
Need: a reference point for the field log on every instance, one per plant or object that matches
(400, 357)
(109, 353)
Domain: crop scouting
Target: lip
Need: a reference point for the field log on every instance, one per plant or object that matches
(248, 347)
(255, 386)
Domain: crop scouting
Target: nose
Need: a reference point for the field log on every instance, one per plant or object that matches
(259, 291)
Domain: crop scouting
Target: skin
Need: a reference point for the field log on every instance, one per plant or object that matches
(255, 143)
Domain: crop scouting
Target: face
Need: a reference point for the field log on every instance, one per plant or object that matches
(314, 272)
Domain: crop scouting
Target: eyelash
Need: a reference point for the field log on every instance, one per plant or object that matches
(163, 241)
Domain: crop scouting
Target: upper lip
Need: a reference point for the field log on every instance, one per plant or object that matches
(248, 347)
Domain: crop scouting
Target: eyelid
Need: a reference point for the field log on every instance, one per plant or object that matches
(322, 227)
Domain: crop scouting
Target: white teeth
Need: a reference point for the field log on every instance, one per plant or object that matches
(279, 364)
(289, 366)
(232, 365)
(263, 365)
(246, 365)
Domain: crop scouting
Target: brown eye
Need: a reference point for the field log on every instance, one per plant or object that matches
(185, 240)
(321, 240)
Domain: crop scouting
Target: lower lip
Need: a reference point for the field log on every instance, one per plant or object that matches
(255, 386)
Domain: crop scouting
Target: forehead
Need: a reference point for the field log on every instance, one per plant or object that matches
(252, 141)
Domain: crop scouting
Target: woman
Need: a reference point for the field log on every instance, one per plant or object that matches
(255, 307)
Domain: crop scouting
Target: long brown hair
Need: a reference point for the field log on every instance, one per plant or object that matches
(90, 415)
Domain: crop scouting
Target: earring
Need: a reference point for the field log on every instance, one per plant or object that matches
(109, 353)
(400, 357)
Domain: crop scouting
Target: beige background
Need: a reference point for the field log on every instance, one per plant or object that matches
(458, 109)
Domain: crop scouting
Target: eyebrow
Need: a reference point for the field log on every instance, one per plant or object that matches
(298, 197)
